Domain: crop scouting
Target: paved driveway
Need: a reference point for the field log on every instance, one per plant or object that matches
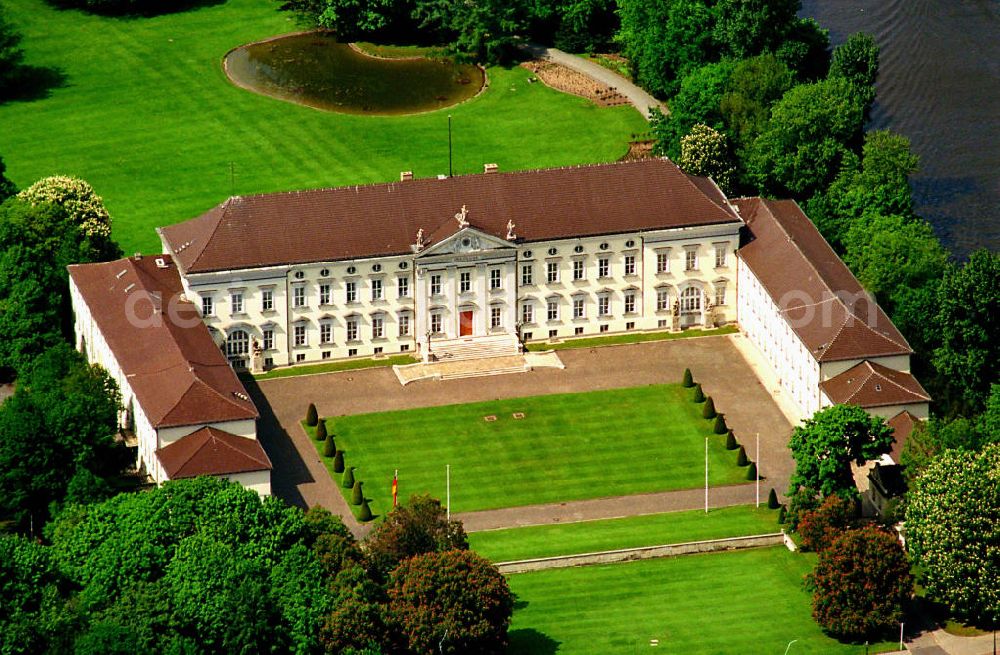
(300, 478)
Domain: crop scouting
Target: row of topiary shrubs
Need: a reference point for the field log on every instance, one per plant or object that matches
(330, 449)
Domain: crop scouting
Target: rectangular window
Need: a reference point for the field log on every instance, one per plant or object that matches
(528, 336)
(552, 272)
(377, 351)
(351, 292)
(578, 331)
(405, 348)
(527, 274)
(630, 325)
(403, 284)
(552, 310)
(603, 305)
(404, 325)
(266, 300)
(236, 300)
(603, 266)
(206, 306)
(720, 255)
(352, 329)
(494, 278)
(578, 308)
(527, 313)
(629, 264)
(268, 342)
(301, 357)
(376, 290)
(435, 285)
(378, 327)
(324, 294)
(578, 269)
(299, 335)
(662, 300)
(325, 332)
(464, 282)
(720, 294)
(299, 296)
(495, 317)
(690, 260)
(662, 262)
(630, 302)
(553, 334)
(352, 352)
(436, 322)
(604, 328)
(325, 354)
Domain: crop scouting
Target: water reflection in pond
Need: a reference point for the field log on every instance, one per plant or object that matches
(313, 69)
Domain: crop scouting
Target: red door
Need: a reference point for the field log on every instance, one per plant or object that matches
(465, 324)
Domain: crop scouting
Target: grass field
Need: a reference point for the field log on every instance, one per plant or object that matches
(146, 114)
(567, 447)
(630, 532)
(750, 601)
(631, 337)
(334, 367)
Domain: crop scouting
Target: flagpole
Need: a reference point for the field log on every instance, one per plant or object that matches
(447, 473)
(706, 475)
(757, 459)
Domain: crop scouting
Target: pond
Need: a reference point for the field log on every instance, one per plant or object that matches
(314, 69)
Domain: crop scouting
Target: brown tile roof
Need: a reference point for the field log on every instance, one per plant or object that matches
(872, 385)
(823, 302)
(902, 425)
(178, 374)
(209, 451)
(383, 219)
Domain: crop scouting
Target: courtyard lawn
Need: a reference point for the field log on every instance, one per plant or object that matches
(567, 447)
(631, 337)
(334, 367)
(750, 601)
(630, 532)
(146, 114)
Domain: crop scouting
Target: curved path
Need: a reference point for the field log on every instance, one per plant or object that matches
(639, 98)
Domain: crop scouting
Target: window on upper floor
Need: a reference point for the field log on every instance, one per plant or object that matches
(299, 335)
(663, 262)
(578, 269)
(552, 272)
(629, 264)
(207, 306)
(690, 259)
(720, 255)
(325, 332)
(603, 266)
(351, 292)
(404, 324)
(579, 308)
(662, 300)
(267, 343)
(552, 310)
(376, 290)
(435, 285)
(324, 294)
(527, 313)
(630, 302)
(603, 304)
(464, 281)
(236, 302)
(378, 326)
(299, 296)
(266, 300)
(527, 274)
(352, 329)
(403, 284)
(495, 278)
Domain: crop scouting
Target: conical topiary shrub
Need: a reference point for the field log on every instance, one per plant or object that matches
(365, 513)
(321, 431)
(357, 495)
(772, 500)
(731, 441)
(699, 395)
(781, 515)
(311, 416)
(329, 447)
(708, 409)
(741, 457)
(688, 380)
(349, 478)
(720, 426)
(338, 462)
(752, 471)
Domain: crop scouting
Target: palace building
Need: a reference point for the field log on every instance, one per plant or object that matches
(485, 263)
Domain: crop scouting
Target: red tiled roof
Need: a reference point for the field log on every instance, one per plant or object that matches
(178, 374)
(383, 219)
(209, 451)
(872, 385)
(822, 301)
(902, 425)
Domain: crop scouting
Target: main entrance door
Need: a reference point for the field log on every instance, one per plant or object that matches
(465, 324)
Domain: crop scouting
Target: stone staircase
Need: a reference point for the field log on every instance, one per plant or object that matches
(465, 348)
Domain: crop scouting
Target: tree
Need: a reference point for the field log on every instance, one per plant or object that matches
(748, 27)
(753, 86)
(77, 199)
(705, 152)
(312, 418)
(952, 531)
(861, 584)
(482, 31)
(687, 381)
(806, 50)
(329, 446)
(451, 602)
(708, 409)
(11, 57)
(321, 431)
(821, 526)
(697, 102)
(349, 19)
(825, 445)
(969, 352)
(418, 526)
(856, 61)
(807, 138)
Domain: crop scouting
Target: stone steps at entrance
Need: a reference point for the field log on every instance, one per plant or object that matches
(463, 348)
(481, 374)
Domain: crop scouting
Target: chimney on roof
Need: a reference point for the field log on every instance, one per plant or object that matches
(490, 168)
(405, 176)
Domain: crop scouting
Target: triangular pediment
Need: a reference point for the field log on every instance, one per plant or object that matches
(468, 240)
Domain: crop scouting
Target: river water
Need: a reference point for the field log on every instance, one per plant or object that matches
(939, 84)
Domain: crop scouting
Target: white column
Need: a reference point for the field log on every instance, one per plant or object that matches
(481, 284)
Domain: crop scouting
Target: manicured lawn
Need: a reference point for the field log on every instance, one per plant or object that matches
(638, 337)
(630, 532)
(567, 447)
(147, 116)
(333, 367)
(749, 601)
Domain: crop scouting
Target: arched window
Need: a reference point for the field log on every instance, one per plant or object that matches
(691, 300)
(237, 346)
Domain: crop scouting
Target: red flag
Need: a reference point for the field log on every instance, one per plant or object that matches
(395, 487)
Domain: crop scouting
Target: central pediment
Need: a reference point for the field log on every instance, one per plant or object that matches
(467, 241)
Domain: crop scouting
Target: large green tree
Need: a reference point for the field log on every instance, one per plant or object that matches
(753, 86)
(485, 31)
(697, 102)
(745, 28)
(706, 152)
(953, 531)
(856, 61)
(418, 526)
(825, 445)
(968, 301)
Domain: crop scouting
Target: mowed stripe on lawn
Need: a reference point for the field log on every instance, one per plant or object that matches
(567, 447)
